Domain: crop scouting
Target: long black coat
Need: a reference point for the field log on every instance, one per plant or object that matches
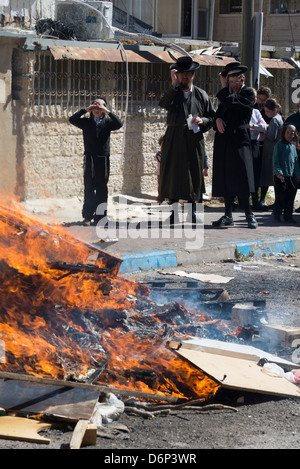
(182, 156)
(232, 159)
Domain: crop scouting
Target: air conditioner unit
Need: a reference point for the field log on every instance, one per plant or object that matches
(86, 23)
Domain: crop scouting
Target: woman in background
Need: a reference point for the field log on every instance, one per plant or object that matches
(272, 135)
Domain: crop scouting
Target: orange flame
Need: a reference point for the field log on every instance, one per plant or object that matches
(40, 306)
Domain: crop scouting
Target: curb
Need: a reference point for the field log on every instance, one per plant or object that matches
(266, 247)
(151, 260)
(147, 260)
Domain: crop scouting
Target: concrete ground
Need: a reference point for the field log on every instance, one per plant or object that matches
(134, 234)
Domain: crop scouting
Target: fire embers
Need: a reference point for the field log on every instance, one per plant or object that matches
(65, 313)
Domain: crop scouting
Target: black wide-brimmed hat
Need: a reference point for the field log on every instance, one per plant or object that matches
(233, 68)
(185, 64)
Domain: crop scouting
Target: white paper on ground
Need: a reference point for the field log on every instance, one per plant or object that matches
(209, 278)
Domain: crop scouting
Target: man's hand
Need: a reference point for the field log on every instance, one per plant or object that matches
(174, 78)
(220, 125)
(197, 121)
(102, 108)
(98, 107)
(224, 81)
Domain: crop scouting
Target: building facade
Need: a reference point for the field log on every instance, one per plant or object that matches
(217, 20)
(45, 78)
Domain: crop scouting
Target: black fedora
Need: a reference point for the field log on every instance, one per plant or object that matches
(233, 68)
(185, 64)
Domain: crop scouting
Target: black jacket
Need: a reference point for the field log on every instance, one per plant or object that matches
(232, 159)
(96, 138)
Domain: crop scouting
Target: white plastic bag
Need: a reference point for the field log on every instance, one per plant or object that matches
(108, 411)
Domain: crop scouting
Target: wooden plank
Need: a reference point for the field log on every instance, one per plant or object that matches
(23, 429)
(214, 350)
(71, 404)
(78, 434)
(74, 384)
(90, 436)
(233, 349)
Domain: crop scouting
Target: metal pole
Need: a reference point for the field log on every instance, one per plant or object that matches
(257, 49)
(247, 45)
(212, 17)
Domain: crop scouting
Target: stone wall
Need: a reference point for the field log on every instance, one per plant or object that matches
(53, 157)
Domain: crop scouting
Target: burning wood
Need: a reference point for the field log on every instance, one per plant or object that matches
(86, 320)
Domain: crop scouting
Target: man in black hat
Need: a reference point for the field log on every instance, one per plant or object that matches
(190, 114)
(232, 160)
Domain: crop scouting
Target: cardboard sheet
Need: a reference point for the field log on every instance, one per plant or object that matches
(234, 368)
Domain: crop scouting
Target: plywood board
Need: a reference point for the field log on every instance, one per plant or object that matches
(23, 429)
(237, 371)
(236, 350)
(69, 403)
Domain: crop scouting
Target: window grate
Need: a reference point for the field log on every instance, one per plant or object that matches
(61, 87)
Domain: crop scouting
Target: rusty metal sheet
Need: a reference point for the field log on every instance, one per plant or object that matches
(212, 61)
(117, 55)
(109, 55)
(146, 56)
(276, 63)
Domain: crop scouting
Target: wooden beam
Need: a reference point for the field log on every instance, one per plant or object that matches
(78, 434)
(74, 384)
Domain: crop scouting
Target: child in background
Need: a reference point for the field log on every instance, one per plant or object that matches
(158, 157)
(286, 170)
(271, 136)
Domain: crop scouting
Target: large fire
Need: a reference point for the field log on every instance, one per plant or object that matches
(65, 311)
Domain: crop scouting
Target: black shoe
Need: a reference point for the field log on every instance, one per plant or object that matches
(172, 219)
(276, 217)
(257, 208)
(297, 210)
(251, 220)
(223, 221)
(262, 207)
(290, 220)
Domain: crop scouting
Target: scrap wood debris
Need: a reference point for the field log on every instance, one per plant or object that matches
(150, 410)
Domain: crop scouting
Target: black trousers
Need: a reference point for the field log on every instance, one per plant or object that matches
(256, 156)
(285, 193)
(96, 175)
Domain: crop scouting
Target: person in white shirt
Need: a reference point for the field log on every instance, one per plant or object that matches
(257, 126)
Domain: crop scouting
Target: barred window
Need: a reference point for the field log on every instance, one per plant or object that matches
(64, 86)
(60, 87)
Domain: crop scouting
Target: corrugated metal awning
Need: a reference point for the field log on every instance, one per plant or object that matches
(108, 55)
(117, 55)
(147, 56)
(276, 63)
